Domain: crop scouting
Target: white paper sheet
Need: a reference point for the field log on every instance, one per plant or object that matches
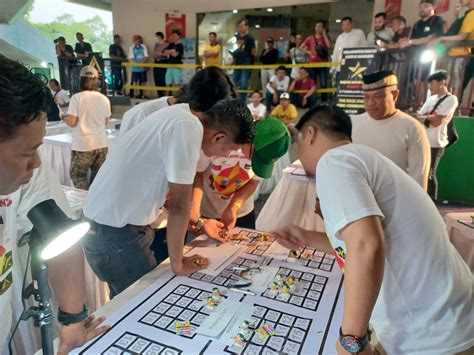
(305, 322)
(219, 257)
(244, 312)
(224, 323)
(219, 318)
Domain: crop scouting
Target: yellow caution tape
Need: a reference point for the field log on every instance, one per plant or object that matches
(269, 66)
(177, 88)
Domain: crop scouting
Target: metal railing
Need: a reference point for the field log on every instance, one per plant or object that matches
(413, 73)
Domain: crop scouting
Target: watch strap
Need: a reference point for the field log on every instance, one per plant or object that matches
(69, 318)
(363, 341)
(199, 224)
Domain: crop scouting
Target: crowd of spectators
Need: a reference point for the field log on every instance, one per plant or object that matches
(429, 31)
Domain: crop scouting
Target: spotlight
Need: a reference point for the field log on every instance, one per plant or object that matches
(338, 20)
(257, 26)
(269, 9)
(235, 11)
(427, 56)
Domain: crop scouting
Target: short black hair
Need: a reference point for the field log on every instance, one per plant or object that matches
(322, 22)
(116, 36)
(233, 117)
(244, 20)
(207, 87)
(213, 33)
(401, 19)
(381, 14)
(23, 96)
(256, 92)
(79, 33)
(61, 38)
(281, 67)
(347, 18)
(439, 75)
(176, 32)
(331, 120)
(159, 34)
(54, 81)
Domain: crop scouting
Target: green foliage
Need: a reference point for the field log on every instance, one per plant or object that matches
(95, 31)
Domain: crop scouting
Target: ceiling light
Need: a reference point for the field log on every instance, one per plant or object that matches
(257, 26)
(269, 9)
(235, 11)
(338, 20)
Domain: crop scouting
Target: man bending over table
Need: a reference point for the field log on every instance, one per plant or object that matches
(401, 273)
(224, 186)
(159, 156)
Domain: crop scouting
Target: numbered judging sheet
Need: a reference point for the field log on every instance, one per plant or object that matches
(304, 320)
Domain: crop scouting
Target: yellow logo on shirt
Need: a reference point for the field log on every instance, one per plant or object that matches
(229, 180)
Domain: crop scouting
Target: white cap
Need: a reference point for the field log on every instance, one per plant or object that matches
(89, 72)
(284, 96)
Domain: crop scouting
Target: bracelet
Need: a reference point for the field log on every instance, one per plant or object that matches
(68, 318)
(238, 205)
(198, 225)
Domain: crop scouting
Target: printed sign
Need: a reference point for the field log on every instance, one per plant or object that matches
(355, 63)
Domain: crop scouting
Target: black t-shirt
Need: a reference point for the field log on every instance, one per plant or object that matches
(433, 26)
(67, 50)
(180, 49)
(246, 57)
(83, 48)
(270, 57)
(405, 34)
(117, 51)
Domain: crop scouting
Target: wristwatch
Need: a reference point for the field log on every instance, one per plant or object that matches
(69, 318)
(352, 343)
(199, 224)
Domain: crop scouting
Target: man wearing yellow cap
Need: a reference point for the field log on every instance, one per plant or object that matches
(398, 136)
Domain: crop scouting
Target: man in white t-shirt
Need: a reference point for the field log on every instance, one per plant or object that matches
(436, 114)
(156, 159)
(88, 115)
(139, 112)
(277, 85)
(401, 272)
(257, 109)
(60, 96)
(349, 38)
(25, 182)
(224, 186)
(398, 136)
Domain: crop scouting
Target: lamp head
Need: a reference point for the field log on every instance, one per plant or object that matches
(56, 231)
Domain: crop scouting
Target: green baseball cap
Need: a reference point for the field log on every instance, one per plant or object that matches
(272, 140)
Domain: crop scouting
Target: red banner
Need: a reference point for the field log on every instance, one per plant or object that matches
(442, 6)
(393, 8)
(175, 22)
